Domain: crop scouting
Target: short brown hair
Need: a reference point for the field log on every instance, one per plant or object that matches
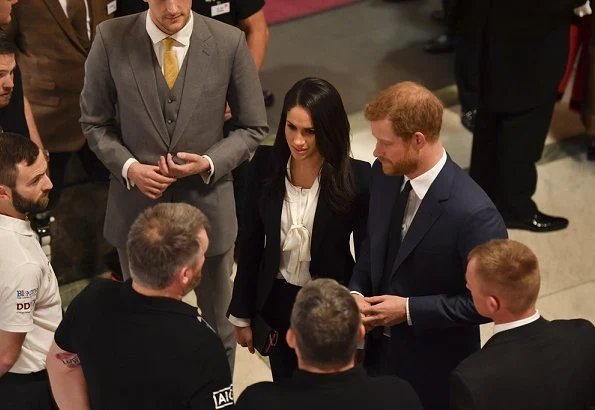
(163, 239)
(410, 107)
(14, 149)
(509, 268)
(326, 322)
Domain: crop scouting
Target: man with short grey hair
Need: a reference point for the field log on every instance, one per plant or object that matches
(325, 329)
(166, 357)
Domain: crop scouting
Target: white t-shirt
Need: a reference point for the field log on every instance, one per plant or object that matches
(29, 295)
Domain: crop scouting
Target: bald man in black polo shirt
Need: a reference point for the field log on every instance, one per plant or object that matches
(166, 356)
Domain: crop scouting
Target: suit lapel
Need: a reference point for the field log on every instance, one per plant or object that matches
(427, 214)
(272, 208)
(58, 13)
(141, 62)
(387, 190)
(199, 59)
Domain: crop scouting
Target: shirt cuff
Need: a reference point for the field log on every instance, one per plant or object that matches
(355, 292)
(407, 310)
(239, 322)
(130, 161)
(207, 175)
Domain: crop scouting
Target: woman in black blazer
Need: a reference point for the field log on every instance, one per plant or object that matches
(305, 198)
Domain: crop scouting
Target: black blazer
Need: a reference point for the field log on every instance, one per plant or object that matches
(260, 247)
(542, 365)
(524, 49)
(351, 389)
(455, 216)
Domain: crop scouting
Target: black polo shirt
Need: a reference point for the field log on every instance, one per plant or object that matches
(141, 352)
(227, 11)
(351, 389)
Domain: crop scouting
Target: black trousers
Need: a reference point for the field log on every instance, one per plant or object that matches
(467, 62)
(506, 147)
(277, 312)
(386, 356)
(94, 169)
(26, 392)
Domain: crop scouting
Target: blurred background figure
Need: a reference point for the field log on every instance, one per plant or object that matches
(522, 62)
(53, 39)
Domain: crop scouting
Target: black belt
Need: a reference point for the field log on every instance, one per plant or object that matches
(18, 378)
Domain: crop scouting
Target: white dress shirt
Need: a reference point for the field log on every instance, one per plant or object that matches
(297, 222)
(517, 323)
(180, 48)
(64, 4)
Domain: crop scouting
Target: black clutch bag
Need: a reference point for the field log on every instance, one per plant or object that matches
(264, 337)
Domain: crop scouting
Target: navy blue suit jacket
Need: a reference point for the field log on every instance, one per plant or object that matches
(455, 216)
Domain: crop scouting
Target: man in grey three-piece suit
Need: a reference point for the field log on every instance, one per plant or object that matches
(167, 74)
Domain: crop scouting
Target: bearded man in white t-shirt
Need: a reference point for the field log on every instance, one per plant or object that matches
(30, 306)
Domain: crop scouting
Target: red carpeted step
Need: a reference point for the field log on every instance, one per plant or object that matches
(279, 11)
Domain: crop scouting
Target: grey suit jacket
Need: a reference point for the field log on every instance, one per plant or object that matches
(120, 82)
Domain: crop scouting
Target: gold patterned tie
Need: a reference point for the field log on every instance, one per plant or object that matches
(170, 63)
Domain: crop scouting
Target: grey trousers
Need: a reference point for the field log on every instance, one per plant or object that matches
(213, 295)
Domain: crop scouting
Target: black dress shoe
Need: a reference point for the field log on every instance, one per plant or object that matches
(539, 222)
(441, 44)
(438, 16)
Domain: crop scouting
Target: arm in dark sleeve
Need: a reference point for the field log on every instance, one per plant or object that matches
(443, 311)
(214, 389)
(461, 397)
(361, 280)
(252, 241)
(244, 96)
(363, 202)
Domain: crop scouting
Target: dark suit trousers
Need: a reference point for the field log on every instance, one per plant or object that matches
(467, 58)
(94, 169)
(506, 147)
(277, 312)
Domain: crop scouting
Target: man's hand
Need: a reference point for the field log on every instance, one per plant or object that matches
(193, 164)
(148, 179)
(385, 310)
(362, 305)
(361, 302)
(244, 337)
(227, 115)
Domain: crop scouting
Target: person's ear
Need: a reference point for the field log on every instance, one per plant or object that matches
(185, 276)
(361, 333)
(290, 338)
(419, 139)
(5, 193)
(493, 304)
